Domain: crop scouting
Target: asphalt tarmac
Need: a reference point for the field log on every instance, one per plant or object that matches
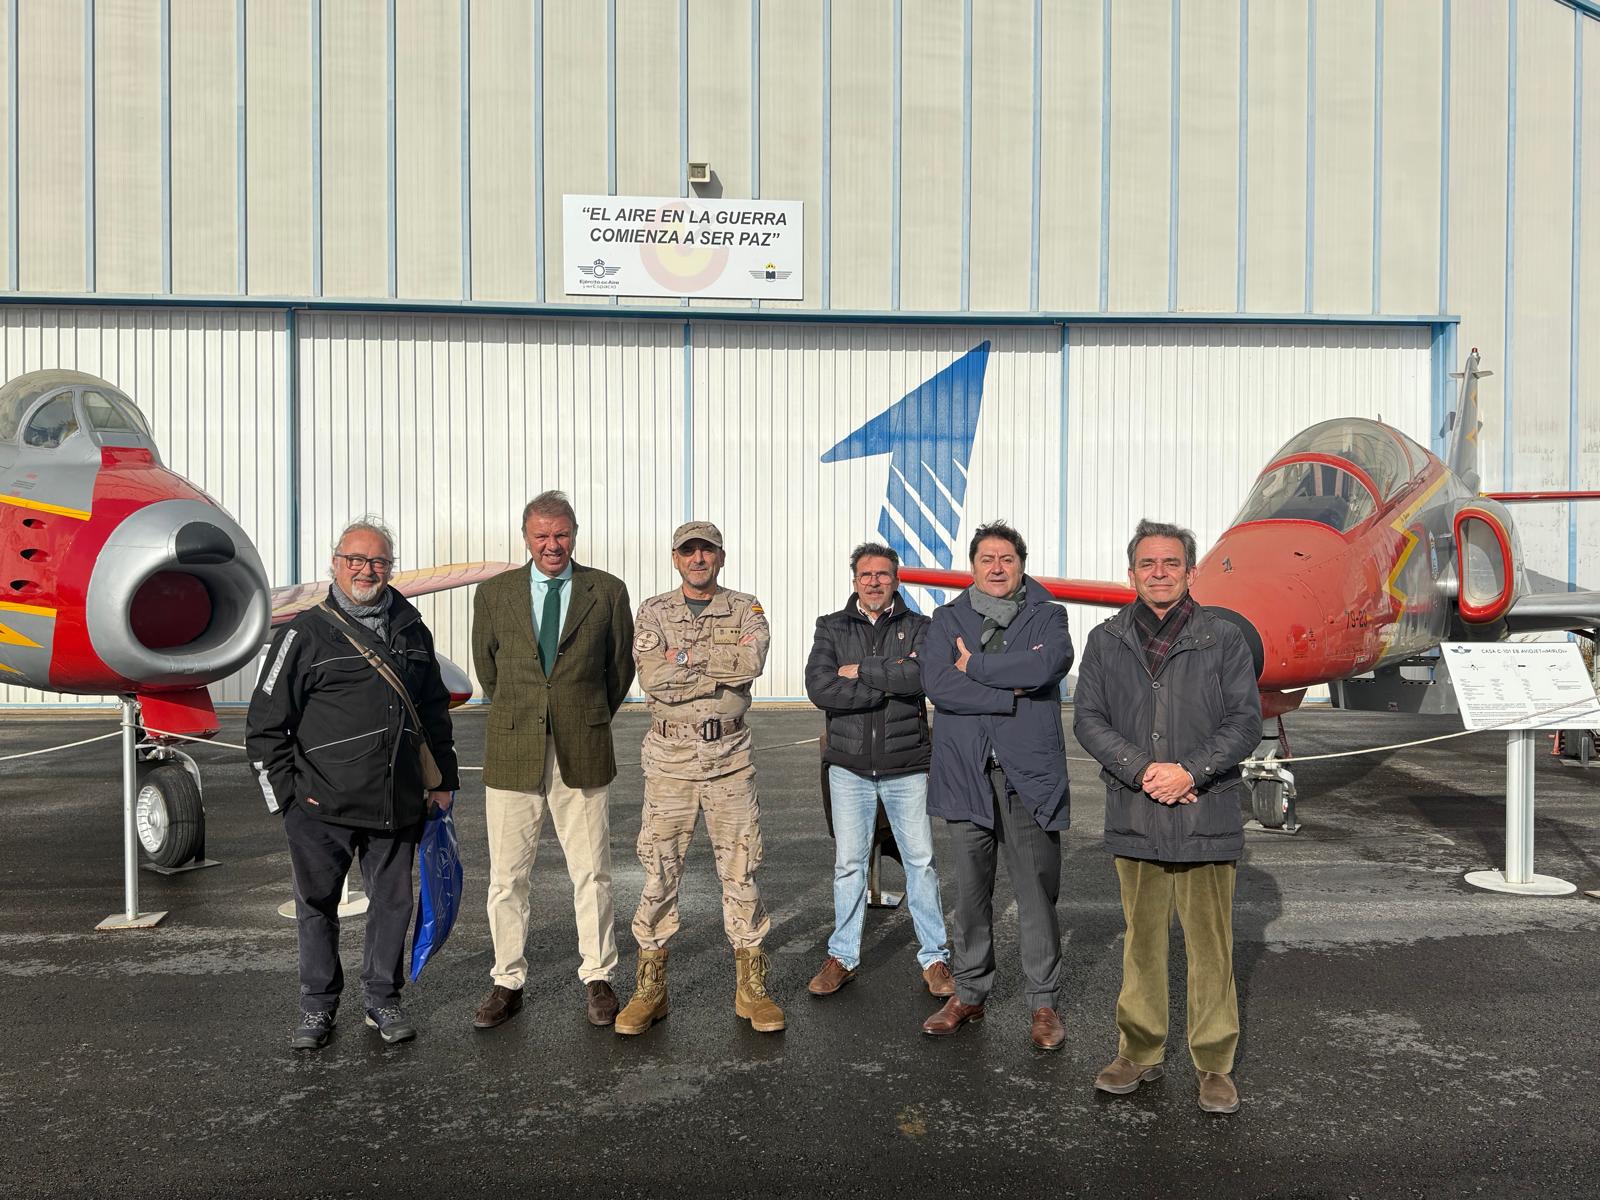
(1404, 1034)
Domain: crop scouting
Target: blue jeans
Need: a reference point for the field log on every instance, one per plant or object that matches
(855, 810)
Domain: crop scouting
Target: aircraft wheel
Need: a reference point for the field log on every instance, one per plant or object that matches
(1267, 802)
(169, 816)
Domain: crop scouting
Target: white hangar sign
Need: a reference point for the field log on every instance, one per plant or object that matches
(671, 246)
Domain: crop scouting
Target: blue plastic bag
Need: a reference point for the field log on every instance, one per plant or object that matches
(440, 890)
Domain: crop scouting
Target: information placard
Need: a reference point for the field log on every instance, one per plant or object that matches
(1522, 685)
(672, 246)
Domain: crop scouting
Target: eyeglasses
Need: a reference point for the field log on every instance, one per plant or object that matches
(358, 562)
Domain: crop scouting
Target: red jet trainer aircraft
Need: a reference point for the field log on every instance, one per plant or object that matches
(123, 577)
(1356, 553)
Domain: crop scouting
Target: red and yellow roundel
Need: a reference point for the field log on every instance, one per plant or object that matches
(684, 268)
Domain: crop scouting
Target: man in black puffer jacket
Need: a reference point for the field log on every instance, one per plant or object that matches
(864, 674)
(338, 753)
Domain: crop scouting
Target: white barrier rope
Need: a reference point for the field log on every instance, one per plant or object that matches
(1507, 724)
(53, 749)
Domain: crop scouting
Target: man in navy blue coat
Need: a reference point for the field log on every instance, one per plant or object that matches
(992, 665)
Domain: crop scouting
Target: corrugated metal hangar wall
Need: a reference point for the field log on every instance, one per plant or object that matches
(446, 424)
(1280, 211)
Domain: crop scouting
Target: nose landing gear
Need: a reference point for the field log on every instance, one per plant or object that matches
(1269, 786)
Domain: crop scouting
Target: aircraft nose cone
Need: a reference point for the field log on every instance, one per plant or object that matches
(201, 544)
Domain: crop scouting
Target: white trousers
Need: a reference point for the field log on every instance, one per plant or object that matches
(583, 827)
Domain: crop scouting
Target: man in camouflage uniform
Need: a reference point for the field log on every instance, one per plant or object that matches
(698, 649)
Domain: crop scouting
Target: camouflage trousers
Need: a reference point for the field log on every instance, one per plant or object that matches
(733, 819)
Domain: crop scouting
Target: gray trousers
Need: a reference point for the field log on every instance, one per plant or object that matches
(321, 855)
(1033, 860)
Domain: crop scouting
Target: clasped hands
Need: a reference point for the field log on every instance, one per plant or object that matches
(1168, 783)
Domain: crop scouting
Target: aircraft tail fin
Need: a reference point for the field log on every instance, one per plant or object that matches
(1466, 422)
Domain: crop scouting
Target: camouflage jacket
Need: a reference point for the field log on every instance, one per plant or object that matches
(725, 648)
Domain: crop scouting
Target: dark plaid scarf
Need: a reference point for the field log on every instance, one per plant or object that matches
(1159, 634)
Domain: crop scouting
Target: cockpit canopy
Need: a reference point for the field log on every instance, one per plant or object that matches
(1335, 473)
(44, 409)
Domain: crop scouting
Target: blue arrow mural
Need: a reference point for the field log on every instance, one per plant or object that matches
(928, 435)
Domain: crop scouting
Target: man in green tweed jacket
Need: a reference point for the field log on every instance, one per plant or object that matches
(553, 645)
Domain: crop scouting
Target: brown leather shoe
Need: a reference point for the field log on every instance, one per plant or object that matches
(1217, 1093)
(952, 1017)
(1121, 1076)
(600, 1002)
(939, 980)
(498, 1007)
(1047, 1031)
(833, 976)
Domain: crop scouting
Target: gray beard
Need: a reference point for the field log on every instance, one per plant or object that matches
(365, 595)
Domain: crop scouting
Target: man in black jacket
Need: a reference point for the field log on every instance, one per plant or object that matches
(339, 757)
(864, 674)
(1167, 703)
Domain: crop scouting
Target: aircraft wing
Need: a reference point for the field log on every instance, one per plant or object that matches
(289, 602)
(1076, 591)
(1545, 611)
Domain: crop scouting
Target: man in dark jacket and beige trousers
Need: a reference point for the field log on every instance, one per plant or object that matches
(1167, 702)
(992, 664)
(552, 643)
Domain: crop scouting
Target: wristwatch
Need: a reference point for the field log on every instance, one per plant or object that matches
(682, 658)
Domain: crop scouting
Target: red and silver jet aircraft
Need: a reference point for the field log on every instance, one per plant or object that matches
(1357, 552)
(122, 577)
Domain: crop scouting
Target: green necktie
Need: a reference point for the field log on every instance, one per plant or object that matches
(550, 624)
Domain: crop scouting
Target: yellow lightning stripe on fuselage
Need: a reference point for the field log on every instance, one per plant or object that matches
(32, 610)
(10, 637)
(77, 514)
(1399, 526)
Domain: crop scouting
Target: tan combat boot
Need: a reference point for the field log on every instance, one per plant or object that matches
(750, 999)
(649, 1003)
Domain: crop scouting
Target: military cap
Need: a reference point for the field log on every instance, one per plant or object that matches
(690, 531)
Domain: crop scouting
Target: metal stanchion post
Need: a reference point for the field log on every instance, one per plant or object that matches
(130, 917)
(1519, 806)
(876, 896)
(1518, 877)
(347, 906)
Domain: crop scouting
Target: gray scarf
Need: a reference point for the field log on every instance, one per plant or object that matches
(374, 616)
(997, 611)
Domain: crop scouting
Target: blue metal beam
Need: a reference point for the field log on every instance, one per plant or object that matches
(787, 315)
(1445, 36)
(13, 183)
(465, 52)
(1035, 213)
(1105, 154)
(538, 147)
(1576, 302)
(316, 147)
(166, 146)
(1241, 244)
(392, 135)
(1309, 303)
(88, 146)
(1377, 158)
(1507, 428)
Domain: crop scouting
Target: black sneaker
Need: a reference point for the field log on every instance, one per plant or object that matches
(391, 1024)
(313, 1032)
